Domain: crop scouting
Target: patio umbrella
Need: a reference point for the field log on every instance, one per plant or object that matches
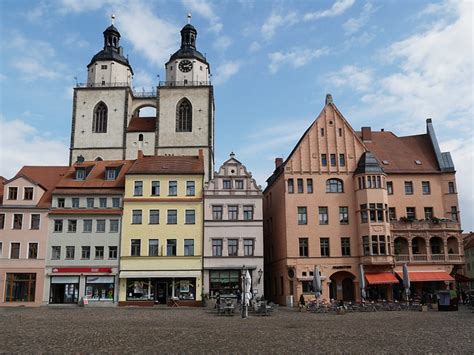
(362, 282)
(247, 293)
(406, 280)
(317, 285)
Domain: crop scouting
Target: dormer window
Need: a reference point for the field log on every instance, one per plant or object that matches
(110, 174)
(12, 193)
(28, 193)
(80, 173)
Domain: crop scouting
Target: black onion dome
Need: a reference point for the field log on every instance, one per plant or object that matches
(112, 50)
(368, 164)
(188, 45)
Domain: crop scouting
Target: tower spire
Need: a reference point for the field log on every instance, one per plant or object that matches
(113, 19)
(189, 18)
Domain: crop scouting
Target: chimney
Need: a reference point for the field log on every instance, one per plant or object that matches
(382, 130)
(140, 154)
(278, 162)
(328, 99)
(366, 134)
(428, 120)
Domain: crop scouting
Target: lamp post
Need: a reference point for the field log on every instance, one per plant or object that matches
(260, 273)
(243, 297)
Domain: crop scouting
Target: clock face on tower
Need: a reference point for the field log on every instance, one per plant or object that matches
(185, 66)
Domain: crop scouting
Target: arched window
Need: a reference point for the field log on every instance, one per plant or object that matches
(99, 124)
(98, 159)
(334, 185)
(140, 137)
(184, 116)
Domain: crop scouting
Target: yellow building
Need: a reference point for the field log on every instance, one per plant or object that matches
(162, 231)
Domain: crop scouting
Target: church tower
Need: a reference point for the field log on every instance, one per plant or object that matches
(186, 104)
(101, 106)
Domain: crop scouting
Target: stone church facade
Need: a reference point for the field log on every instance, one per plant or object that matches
(106, 122)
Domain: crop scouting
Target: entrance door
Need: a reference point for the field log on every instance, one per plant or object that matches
(64, 293)
(347, 289)
(161, 289)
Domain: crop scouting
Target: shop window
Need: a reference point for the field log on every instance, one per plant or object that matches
(224, 281)
(100, 288)
(140, 289)
(20, 287)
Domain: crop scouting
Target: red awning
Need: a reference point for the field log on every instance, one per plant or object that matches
(381, 278)
(420, 276)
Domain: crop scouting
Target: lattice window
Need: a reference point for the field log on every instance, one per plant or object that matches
(99, 124)
(184, 116)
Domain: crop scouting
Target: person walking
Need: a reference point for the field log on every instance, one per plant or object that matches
(302, 302)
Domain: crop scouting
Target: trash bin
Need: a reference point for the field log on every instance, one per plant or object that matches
(289, 301)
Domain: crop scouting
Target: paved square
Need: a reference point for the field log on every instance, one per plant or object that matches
(200, 330)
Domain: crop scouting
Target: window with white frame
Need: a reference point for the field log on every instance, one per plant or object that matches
(99, 252)
(114, 225)
(14, 250)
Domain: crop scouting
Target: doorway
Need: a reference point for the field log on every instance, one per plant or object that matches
(161, 292)
(64, 293)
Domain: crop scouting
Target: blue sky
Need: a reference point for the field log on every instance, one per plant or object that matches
(388, 64)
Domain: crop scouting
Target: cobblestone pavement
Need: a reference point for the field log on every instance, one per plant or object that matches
(199, 330)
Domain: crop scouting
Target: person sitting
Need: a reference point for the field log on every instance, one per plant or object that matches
(302, 302)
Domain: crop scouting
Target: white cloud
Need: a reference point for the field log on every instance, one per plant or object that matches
(275, 21)
(74, 40)
(33, 59)
(354, 24)
(68, 6)
(22, 144)
(206, 10)
(295, 58)
(353, 77)
(254, 47)
(338, 8)
(225, 71)
(142, 79)
(150, 35)
(222, 43)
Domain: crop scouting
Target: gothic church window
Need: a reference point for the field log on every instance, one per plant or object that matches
(184, 116)
(99, 124)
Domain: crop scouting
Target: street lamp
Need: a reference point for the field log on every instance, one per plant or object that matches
(260, 273)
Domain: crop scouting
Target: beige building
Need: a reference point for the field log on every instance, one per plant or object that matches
(106, 119)
(468, 279)
(233, 230)
(344, 199)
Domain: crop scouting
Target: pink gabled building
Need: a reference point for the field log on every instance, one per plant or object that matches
(343, 199)
(24, 232)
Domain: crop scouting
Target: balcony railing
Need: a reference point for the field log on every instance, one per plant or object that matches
(425, 258)
(144, 94)
(184, 83)
(101, 85)
(423, 225)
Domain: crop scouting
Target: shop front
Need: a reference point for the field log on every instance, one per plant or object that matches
(148, 291)
(380, 286)
(425, 285)
(70, 285)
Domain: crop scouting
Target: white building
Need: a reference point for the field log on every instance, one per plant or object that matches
(106, 121)
(233, 230)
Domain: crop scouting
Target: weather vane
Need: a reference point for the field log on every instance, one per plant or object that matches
(189, 17)
(113, 18)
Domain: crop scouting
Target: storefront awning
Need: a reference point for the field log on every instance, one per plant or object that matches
(381, 278)
(420, 276)
(163, 273)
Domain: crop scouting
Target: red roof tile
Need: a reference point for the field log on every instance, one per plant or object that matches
(46, 177)
(401, 152)
(96, 176)
(160, 164)
(142, 124)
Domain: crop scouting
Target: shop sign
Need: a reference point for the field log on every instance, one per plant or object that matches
(82, 269)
